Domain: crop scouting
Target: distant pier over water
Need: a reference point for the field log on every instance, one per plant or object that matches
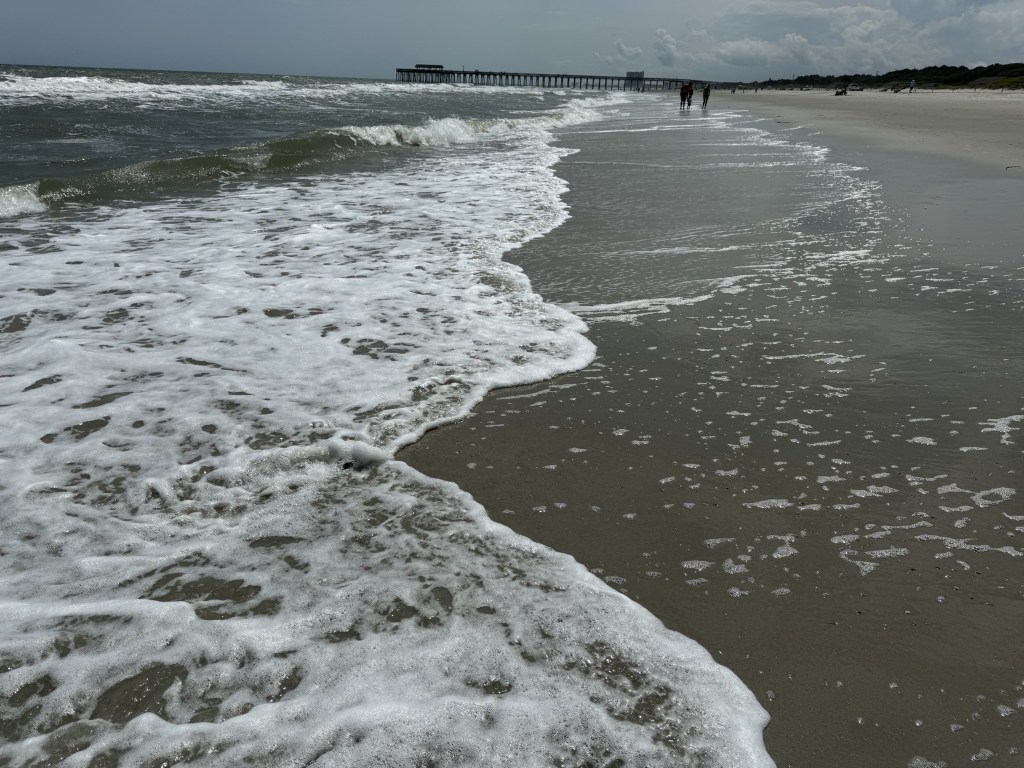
(631, 81)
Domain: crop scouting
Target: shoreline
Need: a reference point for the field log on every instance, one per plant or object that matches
(968, 203)
(707, 487)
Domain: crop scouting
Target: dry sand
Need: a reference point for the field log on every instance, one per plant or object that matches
(980, 126)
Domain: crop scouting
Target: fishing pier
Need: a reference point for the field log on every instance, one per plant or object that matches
(632, 81)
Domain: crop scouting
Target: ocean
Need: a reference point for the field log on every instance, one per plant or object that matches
(227, 302)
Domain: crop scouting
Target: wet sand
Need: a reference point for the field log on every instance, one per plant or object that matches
(816, 477)
(951, 162)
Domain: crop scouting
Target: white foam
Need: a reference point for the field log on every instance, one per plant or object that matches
(786, 550)
(864, 566)
(923, 762)
(769, 504)
(1004, 426)
(395, 654)
(993, 496)
(632, 311)
(879, 554)
(873, 491)
(696, 565)
(19, 200)
(24, 90)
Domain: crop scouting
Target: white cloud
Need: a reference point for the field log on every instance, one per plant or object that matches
(802, 37)
(627, 53)
(846, 37)
(796, 48)
(666, 48)
(747, 53)
(623, 53)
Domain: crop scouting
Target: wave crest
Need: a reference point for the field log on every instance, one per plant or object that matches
(20, 200)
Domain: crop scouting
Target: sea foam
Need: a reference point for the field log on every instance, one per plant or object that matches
(19, 200)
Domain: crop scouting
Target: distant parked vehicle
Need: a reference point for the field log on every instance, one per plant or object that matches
(855, 87)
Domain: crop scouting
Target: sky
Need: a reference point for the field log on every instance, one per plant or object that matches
(698, 39)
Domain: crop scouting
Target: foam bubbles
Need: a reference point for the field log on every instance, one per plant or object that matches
(993, 496)
(437, 632)
(19, 200)
(1005, 427)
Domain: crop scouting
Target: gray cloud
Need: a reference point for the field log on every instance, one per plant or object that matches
(796, 37)
(747, 53)
(666, 48)
(706, 39)
(627, 53)
(623, 54)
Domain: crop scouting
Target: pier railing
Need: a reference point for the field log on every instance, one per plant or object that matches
(629, 82)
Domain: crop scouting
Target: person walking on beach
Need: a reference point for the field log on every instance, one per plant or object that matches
(707, 95)
(686, 95)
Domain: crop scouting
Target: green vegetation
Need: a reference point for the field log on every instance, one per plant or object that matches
(992, 76)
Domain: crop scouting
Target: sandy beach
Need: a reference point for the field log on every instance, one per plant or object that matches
(952, 163)
(980, 126)
(814, 474)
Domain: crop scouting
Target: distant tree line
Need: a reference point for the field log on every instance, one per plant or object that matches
(991, 76)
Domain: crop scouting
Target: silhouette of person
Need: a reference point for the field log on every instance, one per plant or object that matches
(707, 95)
(682, 95)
